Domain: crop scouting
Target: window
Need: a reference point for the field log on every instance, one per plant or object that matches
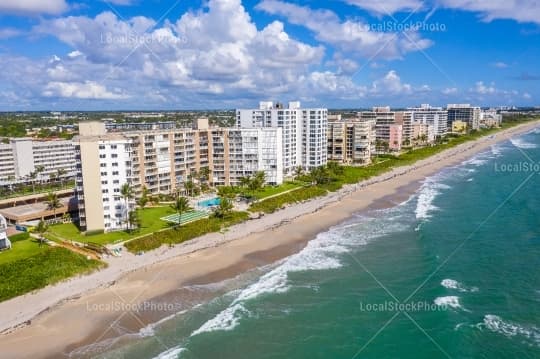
(116, 181)
(102, 165)
(103, 173)
(103, 182)
(103, 156)
(115, 164)
(101, 147)
(115, 173)
(114, 155)
(113, 147)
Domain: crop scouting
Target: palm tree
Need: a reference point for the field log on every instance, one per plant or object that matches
(181, 205)
(298, 171)
(143, 201)
(52, 178)
(224, 208)
(319, 175)
(53, 202)
(41, 229)
(39, 170)
(134, 220)
(127, 194)
(189, 185)
(60, 173)
(32, 177)
(335, 168)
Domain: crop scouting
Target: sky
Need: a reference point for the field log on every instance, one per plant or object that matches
(225, 54)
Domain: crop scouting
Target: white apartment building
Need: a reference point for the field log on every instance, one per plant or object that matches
(384, 118)
(163, 160)
(303, 131)
(431, 116)
(22, 156)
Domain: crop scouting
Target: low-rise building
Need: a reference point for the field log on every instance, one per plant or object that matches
(459, 127)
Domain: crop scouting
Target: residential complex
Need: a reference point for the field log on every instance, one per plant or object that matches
(23, 156)
(350, 141)
(163, 160)
(431, 116)
(304, 132)
(466, 113)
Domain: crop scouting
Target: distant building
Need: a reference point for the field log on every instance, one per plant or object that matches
(22, 156)
(163, 160)
(404, 118)
(351, 141)
(423, 133)
(304, 132)
(459, 127)
(490, 119)
(466, 113)
(396, 137)
(433, 116)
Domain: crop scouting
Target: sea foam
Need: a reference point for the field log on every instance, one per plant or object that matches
(448, 301)
(454, 284)
(509, 329)
(428, 192)
(322, 253)
(521, 143)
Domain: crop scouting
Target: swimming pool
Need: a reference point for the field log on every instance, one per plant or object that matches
(209, 202)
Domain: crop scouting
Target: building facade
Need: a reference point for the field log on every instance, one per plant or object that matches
(395, 141)
(163, 160)
(466, 113)
(431, 116)
(350, 141)
(23, 156)
(303, 132)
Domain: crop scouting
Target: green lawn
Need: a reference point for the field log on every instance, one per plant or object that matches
(380, 165)
(150, 222)
(273, 190)
(20, 250)
(185, 232)
(46, 266)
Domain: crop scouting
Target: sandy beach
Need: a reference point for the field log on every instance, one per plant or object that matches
(56, 320)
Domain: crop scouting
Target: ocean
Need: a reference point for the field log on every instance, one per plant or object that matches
(453, 272)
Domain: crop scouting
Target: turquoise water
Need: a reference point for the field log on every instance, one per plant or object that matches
(209, 203)
(460, 259)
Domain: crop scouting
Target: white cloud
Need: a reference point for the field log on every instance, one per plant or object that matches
(482, 89)
(8, 33)
(79, 90)
(348, 36)
(22, 7)
(450, 91)
(499, 65)
(387, 7)
(390, 84)
(519, 10)
(527, 96)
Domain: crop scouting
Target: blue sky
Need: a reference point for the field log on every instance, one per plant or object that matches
(191, 54)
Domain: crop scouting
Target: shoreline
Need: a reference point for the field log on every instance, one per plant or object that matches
(210, 258)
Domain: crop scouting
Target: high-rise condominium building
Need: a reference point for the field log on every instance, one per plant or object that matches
(350, 141)
(22, 156)
(384, 118)
(431, 116)
(466, 113)
(304, 132)
(163, 160)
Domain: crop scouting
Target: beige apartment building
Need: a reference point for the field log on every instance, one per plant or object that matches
(350, 141)
(163, 160)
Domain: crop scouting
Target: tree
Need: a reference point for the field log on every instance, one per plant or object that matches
(143, 201)
(53, 202)
(133, 220)
(189, 185)
(298, 171)
(41, 228)
(52, 178)
(226, 192)
(245, 181)
(32, 177)
(319, 175)
(127, 194)
(60, 173)
(181, 205)
(39, 170)
(204, 174)
(224, 208)
(335, 168)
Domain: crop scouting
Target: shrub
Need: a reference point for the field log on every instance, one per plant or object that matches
(19, 237)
